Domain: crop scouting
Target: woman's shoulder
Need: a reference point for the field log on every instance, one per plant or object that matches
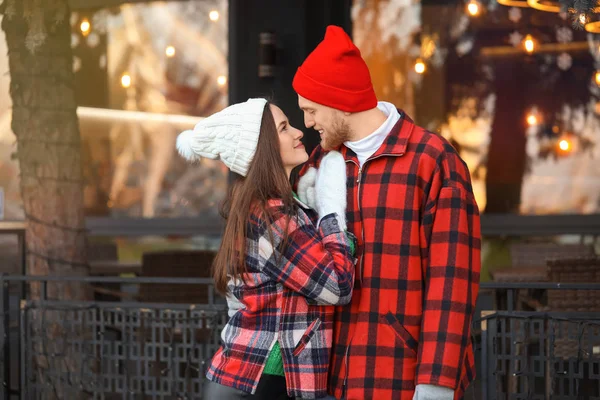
(273, 209)
(276, 209)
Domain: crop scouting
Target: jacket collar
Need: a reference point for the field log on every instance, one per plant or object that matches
(301, 203)
(395, 143)
(279, 202)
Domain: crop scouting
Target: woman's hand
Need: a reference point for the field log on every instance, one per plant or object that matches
(330, 187)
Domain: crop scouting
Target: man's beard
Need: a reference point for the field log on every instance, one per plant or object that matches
(339, 134)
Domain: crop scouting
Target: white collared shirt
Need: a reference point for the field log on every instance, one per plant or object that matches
(366, 147)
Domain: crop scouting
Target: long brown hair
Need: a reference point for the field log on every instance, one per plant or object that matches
(266, 180)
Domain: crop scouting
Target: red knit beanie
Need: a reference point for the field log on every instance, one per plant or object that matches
(335, 75)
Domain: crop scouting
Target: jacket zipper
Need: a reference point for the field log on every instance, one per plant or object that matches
(358, 180)
(362, 234)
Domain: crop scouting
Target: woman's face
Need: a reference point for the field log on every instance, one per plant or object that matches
(291, 148)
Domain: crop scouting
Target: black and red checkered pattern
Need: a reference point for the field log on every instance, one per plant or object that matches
(412, 209)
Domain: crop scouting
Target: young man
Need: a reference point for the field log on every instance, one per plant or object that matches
(407, 332)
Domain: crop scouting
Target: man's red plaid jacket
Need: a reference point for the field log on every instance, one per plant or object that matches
(412, 209)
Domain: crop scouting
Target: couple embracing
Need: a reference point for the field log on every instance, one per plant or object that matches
(360, 281)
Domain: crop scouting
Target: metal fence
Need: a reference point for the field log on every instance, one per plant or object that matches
(131, 350)
(532, 356)
(106, 350)
(539, 355)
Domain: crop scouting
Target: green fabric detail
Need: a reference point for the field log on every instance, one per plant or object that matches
(352, 249)
(274, 364)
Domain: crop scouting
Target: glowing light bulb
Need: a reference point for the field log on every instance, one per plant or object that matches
(126, 81)
(170, 51)
(85, 27)
(597, 78)
(564, 145)
(222, 80)
(213, 15)
(419, 66)
(473, 8)
(532, 119)
(529, 44)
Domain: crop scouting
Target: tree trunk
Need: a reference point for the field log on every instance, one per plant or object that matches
(49, 152)
(48, 148)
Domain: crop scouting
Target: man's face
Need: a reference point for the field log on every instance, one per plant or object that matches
(329, 122)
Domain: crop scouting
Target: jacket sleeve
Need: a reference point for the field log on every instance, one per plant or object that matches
(451, 230)
(315, 261)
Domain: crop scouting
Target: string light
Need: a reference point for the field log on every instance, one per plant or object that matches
(552, 6)
(564, 145)
(85, 27)
(473, 8)
(419, 66)
(597, 78)
(529, 44)
(126, 81)
(533, 117)
(214, 15)
(222, 80)
(170, 51)
(514, 3)
(592, 27)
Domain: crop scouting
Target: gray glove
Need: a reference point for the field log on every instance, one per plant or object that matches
(330, 187)
(306, 188)
(433, 392)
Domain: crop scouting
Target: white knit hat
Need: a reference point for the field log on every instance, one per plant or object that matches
(230, 135)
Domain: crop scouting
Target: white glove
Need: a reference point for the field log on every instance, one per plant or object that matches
(306, 188)
(433, 392)
(330, 187)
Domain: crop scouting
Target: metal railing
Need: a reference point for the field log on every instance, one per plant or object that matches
(105, 349)
(212, 225)
(542, 355)
(130, 349)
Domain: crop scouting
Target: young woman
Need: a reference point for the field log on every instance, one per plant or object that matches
(281, 265)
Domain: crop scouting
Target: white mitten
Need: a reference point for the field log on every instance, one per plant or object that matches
(306, 188)
(330, 187)
(433, 392)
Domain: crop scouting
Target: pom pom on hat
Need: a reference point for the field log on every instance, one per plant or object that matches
(231, 135)
(184, 145)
